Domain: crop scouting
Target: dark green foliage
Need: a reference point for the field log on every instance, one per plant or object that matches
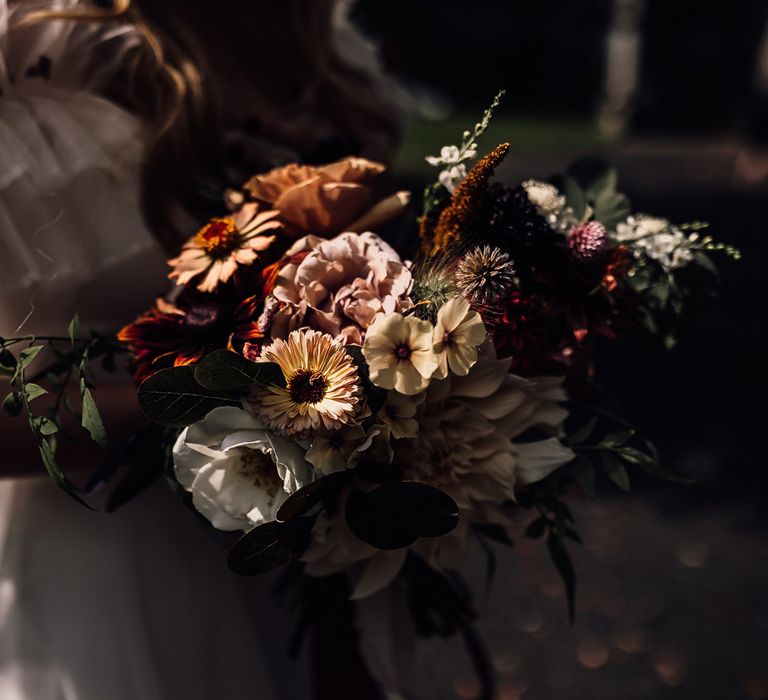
(174, 398)
(270, 546)
(396, 514)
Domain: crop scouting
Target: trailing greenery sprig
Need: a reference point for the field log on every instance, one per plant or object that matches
(70, 367)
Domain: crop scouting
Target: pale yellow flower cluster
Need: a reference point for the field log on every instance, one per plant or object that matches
(405, 353)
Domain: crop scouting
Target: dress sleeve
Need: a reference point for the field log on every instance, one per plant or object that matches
(72, 238)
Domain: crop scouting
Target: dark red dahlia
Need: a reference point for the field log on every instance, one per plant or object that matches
(181, 333)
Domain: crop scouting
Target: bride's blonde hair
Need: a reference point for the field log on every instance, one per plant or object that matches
(166, 82)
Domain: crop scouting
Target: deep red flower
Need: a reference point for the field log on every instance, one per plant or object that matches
(183, 333)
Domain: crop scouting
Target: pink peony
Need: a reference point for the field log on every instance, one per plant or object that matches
(340, 286)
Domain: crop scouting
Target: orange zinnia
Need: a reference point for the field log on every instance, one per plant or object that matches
(223, 245)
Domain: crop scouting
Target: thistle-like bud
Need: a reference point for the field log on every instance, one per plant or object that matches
(485, 275)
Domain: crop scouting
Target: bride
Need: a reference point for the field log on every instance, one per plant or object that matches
(106, 111)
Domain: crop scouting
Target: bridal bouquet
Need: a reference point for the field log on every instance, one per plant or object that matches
(352, 407)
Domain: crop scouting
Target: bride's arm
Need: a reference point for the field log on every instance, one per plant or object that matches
(78, 456)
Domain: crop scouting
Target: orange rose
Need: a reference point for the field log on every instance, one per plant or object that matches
(328, 199)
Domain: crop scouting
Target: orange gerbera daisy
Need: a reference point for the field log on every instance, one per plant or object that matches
(223, 245)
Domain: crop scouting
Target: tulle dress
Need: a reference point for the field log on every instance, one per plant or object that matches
(137, 604)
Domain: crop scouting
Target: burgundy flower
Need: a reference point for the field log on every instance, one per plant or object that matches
(183, 333)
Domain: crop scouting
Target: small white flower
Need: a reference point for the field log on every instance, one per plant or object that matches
(544, 196)
(449, 155)
(658, 239)
(550, 204)
(454, 170)
(238, 472)
(459, 331)
(452, 177)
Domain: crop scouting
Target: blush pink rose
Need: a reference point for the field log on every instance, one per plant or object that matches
(340, 286)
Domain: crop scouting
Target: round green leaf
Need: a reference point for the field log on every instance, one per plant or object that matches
(397, 514)
(269, 546)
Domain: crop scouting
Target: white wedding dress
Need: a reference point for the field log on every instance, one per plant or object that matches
(138, 604)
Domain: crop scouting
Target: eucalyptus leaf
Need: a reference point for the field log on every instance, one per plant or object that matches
(617, 439)
(615, 470)
(33, 391)
(311, 495)
(612, 209)
(583, 432)
(397, 514)
(173, 397)
(650, 465)
(584, 473)
(92, 421)
(48, 455)
(28, 355)
(43, 426)
(8, 360)
(598, 182)
(562, 561)
(571, 534)
(269, 546)
(536, 529)
(379, 472)
(575, 196)
(224, 370)
(74, 329)
(13, 404)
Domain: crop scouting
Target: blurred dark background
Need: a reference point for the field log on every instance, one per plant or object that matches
(676, 95)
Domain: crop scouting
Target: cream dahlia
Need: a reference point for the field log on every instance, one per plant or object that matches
(223, 245)
(398, 350)
(322, 388)
(458, 332)
(466, 444)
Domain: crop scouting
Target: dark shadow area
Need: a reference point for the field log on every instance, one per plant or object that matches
(675, 95)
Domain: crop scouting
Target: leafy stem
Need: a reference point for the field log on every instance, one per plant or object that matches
(55, 381)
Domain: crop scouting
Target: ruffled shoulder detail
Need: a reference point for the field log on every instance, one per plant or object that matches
(69, 162)
(61, 52)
